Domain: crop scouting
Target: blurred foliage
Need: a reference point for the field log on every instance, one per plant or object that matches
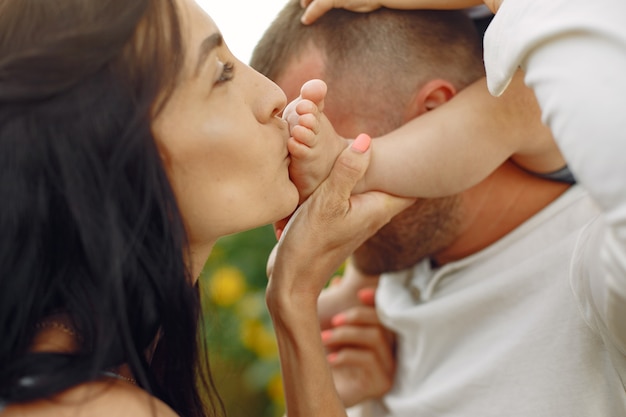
(243, 351)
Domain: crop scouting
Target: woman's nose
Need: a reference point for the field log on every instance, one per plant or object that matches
(280, 100)
(270, 99)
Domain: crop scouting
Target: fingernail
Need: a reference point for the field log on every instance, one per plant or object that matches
(338, 320)
(362, 143)
(367, 295)
(331, 357)
(304, 19)
(279, 233)
(326, 335)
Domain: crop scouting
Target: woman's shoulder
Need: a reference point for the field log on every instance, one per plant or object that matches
(95, 399)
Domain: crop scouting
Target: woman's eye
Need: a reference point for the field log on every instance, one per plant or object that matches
(228, 70)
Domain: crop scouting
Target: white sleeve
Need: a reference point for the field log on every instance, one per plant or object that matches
(573, 53)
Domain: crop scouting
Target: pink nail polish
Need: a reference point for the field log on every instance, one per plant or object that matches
(367, 296)
(362, 143)
(326, 335)
(338, 320)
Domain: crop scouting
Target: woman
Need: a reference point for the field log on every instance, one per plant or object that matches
(130, 141)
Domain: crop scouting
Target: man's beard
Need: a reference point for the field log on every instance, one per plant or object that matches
(418, 232)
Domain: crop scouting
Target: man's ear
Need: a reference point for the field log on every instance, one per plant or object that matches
(430, 96)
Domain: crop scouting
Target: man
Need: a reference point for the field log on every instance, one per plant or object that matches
(488, 316)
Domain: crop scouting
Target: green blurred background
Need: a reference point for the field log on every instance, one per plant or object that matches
(243, 352)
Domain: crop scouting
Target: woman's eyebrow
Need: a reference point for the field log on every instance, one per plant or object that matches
(211, 42)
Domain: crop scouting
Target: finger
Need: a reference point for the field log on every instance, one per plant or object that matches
(367, 296)
(315, 10)
(380, 209)
(358, 358)
(357, 316)
(372, 338)
(363, 317)
(367, 316)
(348, 170)
(359, 378)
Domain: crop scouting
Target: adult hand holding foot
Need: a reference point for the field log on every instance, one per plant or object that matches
(343, 221)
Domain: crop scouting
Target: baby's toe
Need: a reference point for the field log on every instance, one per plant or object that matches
(310, 122)
(303, 135)
(306, 107)
(314, 90)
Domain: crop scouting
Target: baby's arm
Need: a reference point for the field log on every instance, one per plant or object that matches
(430, 156)
(435, 156)
(316, 8)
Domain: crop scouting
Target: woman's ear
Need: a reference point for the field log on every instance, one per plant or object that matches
(430, 96)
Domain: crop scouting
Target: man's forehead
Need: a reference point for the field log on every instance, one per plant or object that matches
(309, 64)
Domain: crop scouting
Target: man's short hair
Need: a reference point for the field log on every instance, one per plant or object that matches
(384, 44)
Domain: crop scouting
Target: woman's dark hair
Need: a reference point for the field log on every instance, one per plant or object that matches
(89, 225)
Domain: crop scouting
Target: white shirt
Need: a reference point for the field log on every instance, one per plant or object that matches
(534, 325)
(507, 331)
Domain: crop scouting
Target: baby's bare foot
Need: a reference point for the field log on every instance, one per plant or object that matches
(314, 145)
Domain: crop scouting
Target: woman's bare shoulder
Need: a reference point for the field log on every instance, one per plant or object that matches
(95, 399)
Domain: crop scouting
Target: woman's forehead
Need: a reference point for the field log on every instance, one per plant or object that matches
(200, 33)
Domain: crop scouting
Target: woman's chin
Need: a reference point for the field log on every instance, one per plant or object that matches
(293, 199)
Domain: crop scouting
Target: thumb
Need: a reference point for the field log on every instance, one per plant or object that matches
(349, 168)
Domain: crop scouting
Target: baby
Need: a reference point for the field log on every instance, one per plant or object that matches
(403, 164)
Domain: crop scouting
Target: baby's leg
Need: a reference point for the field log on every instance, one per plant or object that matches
(314, 145)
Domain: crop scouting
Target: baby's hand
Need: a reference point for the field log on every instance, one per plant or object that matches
(316, 8)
